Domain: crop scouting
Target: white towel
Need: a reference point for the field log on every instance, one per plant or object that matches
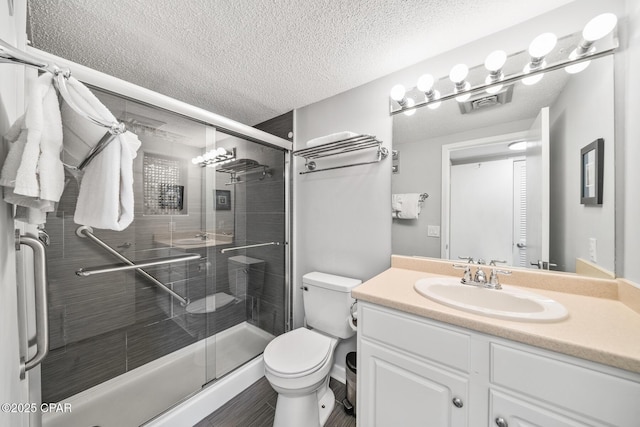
(33, 175)
(405, 206)
(339, 136)
(105, 199)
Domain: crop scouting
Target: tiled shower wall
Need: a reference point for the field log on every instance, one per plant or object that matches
(104, 325)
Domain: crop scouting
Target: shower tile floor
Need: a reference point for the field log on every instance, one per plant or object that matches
(256, 407)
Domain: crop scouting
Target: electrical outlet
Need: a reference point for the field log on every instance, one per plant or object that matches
(593, 249)
(433, 230)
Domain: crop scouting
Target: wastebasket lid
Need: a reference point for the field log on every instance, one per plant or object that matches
(352, 361)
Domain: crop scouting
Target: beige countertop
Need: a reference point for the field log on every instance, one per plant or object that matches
(600, 327)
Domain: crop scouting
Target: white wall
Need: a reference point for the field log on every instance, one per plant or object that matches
(11, 97)
(581, 114)
(630, 157)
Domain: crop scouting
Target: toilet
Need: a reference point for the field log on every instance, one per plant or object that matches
(297, 363)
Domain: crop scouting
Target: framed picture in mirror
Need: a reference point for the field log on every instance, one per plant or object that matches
(592, 172)
(223, 200)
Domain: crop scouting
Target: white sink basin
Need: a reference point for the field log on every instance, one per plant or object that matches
(508, 303)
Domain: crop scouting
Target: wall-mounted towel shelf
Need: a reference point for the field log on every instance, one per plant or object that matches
(356, 143)
(242, 166)
(11, 55)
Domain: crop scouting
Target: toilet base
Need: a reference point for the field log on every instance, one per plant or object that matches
(310, 410)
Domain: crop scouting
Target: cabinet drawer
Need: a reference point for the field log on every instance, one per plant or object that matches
(414, 335)
(519, 413)
(560, 382)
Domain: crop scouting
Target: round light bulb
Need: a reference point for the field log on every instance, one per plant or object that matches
(599, 27)
(542, 45)
(517, 146)
(495, 61)
(410, 103)
(434, 105)
(465, 97)
(425, 83)
(195, 161)
(533, 79)
(397, 93)
(581, 66)
(207, 156)
(200, 159)
(459, 73)
(494, 89)
(220, 151)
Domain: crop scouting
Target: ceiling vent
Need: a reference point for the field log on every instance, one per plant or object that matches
(484, 101)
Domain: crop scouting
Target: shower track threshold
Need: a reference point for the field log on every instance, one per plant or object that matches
(142, 393)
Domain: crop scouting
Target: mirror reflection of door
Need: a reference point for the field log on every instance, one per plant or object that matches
(537, 198)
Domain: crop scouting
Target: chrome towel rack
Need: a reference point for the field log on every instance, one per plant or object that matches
(11, 55)
(356, 143)
(87, 232)
(237, 248)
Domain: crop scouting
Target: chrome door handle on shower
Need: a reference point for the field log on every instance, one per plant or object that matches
(237, 248)
(42, 314)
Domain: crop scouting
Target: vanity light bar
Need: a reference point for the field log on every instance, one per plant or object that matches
(507, 80)
(534, 70)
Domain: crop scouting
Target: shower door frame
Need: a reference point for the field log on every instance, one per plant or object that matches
(129, 91)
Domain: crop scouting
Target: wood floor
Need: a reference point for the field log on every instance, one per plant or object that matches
(255, 407)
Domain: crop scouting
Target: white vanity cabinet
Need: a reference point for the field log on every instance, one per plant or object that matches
(413, 371)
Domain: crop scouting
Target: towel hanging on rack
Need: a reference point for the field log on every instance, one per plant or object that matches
(33, 175)
(405, 206)
(105, 199)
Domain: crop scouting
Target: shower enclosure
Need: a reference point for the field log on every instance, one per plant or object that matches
(167, 330)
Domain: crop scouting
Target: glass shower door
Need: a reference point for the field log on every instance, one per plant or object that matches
(245, 205)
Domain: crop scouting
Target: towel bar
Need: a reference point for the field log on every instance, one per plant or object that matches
(348, 145)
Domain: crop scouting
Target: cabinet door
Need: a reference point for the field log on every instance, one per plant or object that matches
(509, 411)
(398, 390)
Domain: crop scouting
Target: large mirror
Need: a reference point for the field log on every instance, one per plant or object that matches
(490, 202)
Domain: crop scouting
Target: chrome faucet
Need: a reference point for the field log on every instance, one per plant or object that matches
(203, 235)
(480, 277)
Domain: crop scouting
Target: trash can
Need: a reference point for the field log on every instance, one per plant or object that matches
(350, 402)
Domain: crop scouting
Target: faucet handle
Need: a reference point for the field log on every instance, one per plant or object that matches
(493, 261)
(466, 276)
(467, 258)
(493, 278)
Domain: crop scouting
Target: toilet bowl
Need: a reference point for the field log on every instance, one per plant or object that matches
(297, 363)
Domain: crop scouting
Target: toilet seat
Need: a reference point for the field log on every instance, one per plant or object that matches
(297, 353)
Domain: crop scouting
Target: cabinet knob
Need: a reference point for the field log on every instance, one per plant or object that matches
(501, 422)
(457, 402)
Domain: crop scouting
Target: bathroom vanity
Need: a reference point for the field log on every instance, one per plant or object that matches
(423, 363)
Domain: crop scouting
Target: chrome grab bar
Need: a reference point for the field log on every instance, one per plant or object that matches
(42, 315)
(237, 248)
(84, 272)
(84, 231)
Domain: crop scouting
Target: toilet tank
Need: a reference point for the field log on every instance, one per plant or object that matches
(246, 276)
(327, 300)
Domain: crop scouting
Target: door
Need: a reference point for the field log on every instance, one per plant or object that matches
(14, 390)
(519, 243)
(404, 391)
(538, 192)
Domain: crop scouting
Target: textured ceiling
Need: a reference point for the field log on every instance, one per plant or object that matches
(251, 60)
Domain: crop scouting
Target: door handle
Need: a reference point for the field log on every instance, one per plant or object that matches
(521, 245)
(544, 265)
(42, 315)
